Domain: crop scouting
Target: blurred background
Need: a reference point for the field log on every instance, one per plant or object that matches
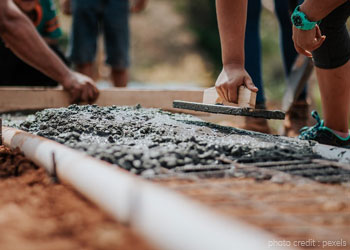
(176, 44)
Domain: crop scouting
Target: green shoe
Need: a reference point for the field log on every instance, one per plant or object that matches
(322, 134)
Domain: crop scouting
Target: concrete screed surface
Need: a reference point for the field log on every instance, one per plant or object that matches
(152, 142)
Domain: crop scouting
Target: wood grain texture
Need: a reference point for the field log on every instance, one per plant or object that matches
(17, 99)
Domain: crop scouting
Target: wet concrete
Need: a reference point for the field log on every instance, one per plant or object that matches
(151, 141)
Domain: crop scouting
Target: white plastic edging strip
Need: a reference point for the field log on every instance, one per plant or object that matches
(95, 179)
(169, 220)
(191, 226)
(333, 153)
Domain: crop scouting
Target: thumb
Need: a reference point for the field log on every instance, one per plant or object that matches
(322, 39)
(319, 35)
(250, 85)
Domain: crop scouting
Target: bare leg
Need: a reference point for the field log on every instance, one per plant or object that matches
(86, 69)
(335, 92)
(120, 77)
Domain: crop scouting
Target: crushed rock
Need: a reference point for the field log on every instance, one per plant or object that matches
(152, 141)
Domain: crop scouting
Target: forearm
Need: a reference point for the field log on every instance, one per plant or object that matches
(50, 41)
(21, 37)
(316, 10)
(232, 19)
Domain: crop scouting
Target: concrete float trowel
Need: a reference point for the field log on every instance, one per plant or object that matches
(212, 103)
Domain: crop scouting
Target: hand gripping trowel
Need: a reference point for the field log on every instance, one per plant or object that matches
(212, 103)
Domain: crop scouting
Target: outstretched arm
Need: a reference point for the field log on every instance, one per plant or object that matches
(21, 37)
(232, 20)
(316, 10)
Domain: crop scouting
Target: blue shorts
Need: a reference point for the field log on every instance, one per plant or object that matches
(111, 18)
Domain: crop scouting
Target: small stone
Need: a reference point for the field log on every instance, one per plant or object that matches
(136, 163)
(187, 160)
(148, 173)
(111, 139)
(171, 162)
(129, 157)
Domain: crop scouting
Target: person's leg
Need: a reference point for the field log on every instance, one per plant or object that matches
(120, 77)
(252, 46)
(86, 69)
(333, 75)
(116, 34)
(289, 53)
(333, 69)
(335, 93)
(297, 116)
(84, 35)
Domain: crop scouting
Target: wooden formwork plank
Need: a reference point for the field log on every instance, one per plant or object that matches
(15, 99)
(20, 99)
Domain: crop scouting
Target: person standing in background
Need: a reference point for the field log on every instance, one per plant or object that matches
(111, 17)
(297, 116)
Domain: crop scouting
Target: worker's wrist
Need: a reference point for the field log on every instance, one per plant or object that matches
(301, 20)
(234, 65)
(310, 16)
(66, 79)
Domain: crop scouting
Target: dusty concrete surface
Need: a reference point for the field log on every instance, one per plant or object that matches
(37, 214)
(158, 144)
(150, 141)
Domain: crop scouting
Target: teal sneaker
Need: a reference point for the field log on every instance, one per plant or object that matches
(322, 134)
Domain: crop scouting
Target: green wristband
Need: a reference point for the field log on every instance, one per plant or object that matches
(300, 21)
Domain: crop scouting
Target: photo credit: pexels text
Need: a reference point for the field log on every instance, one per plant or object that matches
(310, 243)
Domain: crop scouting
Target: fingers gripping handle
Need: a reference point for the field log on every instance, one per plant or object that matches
(246, 98)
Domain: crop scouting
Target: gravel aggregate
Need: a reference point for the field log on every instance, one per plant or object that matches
(152, 141)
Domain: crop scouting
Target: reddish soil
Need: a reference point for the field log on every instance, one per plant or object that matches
(36, 213)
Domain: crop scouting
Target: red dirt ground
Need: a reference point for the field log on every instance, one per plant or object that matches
(37, 214)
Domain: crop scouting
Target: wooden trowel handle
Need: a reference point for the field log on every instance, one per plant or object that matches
(246, 98)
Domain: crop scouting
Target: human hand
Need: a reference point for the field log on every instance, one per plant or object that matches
(306, 41)
(66, 6)
(229, 81)
(80, 88)
(138, 5)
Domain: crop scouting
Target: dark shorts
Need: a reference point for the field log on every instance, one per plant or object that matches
(92, 17)
(335, 51)
(15, 72)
